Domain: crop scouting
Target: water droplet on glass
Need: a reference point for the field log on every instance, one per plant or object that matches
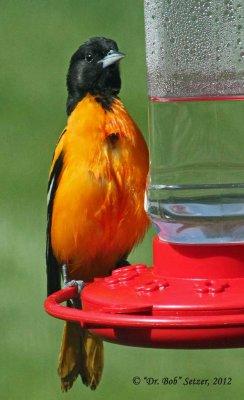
(197, 42)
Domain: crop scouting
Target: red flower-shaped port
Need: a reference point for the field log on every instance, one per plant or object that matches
(151, 286)
(211, 287)
(122, 276)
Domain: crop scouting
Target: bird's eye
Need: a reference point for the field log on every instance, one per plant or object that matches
(89, 57)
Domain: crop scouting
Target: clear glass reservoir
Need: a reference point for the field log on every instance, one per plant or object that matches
(195, 64)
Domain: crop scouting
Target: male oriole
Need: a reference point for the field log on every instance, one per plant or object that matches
(95, 193)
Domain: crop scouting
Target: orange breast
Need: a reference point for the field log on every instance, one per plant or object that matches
(98, 213)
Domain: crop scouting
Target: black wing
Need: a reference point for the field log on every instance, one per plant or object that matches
(123, 262)
(53, 267)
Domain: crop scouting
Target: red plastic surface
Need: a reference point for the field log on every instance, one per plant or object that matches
(198, 261)
(193, 297)
(196, 98)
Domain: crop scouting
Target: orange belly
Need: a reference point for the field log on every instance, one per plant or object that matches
(98, 213)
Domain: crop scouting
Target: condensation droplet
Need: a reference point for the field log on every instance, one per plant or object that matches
(192, 45)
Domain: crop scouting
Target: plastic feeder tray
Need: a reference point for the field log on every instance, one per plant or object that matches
(193, 297)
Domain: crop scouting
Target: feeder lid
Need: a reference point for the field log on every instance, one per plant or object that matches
(137, 289)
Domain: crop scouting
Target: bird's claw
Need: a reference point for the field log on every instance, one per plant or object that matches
(78, 284)
(67, 283)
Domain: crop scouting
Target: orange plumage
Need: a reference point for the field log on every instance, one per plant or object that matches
(96, 194)
(98, 213)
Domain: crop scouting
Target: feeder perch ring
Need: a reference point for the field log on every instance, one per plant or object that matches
(95, 319)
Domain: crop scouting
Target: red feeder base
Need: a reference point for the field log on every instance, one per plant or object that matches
(193, 297)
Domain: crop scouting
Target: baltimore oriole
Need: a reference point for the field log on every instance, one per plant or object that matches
(95, 193)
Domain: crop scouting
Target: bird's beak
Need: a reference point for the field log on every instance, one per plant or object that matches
(111, 58)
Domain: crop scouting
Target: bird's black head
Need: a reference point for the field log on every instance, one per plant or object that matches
(94, 69)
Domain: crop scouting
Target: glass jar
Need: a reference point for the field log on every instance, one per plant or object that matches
(195, 64)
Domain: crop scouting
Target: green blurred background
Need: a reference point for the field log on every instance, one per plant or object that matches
(37, 39)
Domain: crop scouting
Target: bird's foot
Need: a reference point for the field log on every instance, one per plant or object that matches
(76, 302)
(78, 284)
(72, 283)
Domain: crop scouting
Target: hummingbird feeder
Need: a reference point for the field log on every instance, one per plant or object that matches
(193, 295)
